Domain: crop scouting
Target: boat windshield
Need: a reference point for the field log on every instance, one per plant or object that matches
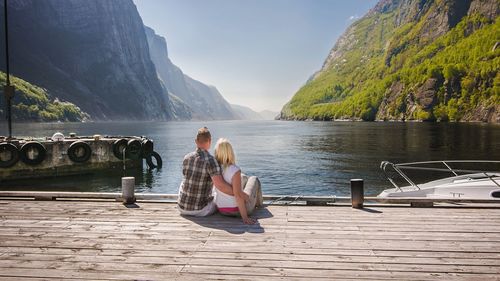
(417, 173)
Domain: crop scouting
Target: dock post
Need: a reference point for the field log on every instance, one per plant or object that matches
(128, 185)
(357, 193)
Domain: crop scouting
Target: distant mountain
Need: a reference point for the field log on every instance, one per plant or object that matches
(204, 101)
(246, 113)
(410, 60)
(91, 53)
(269, 115)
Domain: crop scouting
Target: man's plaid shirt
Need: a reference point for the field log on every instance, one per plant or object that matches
(196, 188)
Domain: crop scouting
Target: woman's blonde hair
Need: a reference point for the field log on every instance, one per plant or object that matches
(224, 153)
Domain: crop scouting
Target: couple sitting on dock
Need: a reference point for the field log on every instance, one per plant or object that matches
(216, 183)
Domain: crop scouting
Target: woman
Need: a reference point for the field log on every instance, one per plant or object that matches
(235, 205)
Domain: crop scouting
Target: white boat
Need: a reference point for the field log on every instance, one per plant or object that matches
(465, 184)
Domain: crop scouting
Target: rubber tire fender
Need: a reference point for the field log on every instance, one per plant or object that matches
(147, 148)
(495, 194)
(134, 149)
(77, 145)
(118, 147)
(15, 154)
(159, 161)
(25, 148)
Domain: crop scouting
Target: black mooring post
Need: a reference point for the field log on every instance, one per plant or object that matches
(8, 89)
(357, 193)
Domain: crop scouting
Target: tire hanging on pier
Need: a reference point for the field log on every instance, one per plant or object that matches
(33, 153)
(134, 149)
(79, 152)
(9, 155)
(157, 157)
(118, 147)
(147, 148)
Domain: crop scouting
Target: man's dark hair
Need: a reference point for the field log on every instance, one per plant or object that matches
(203, 135)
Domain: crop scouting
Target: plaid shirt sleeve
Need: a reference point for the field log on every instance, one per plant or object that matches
(213, 167)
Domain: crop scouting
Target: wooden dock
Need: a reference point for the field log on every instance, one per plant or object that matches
(104, 240)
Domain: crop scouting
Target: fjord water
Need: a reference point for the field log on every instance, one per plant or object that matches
(299, 158)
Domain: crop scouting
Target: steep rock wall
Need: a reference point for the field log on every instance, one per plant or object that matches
(92, 53)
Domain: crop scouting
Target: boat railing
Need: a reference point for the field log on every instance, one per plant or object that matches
(446, 167)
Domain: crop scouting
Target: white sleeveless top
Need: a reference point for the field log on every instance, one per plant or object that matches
(226, 203)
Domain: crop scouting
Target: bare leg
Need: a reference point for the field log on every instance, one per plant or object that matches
(253, 189)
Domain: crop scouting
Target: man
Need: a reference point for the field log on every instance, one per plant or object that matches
(200, 172)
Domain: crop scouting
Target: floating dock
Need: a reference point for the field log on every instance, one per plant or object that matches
(98, 238)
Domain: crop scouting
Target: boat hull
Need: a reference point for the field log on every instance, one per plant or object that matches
(470, 186)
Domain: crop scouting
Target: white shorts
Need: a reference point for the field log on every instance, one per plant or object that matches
(209, 209)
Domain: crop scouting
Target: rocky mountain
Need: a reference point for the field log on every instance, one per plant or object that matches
(410, 60)
(91, 53)
(204, 101)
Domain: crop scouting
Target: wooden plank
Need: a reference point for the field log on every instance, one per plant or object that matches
(16, 278)
(9, 232)
(19, 217)
(170, 214)
(111, 206)
(481, 218)
(240, 229)
(229, 257)
(236, 224)
(247, 267)
(56, 274)
(166, 244)
(175, 263)
(168, 211)
(221, 235)
(230, 222)
(334, 273)
(79, 275)
(267, 253)
(263, 260)
(158, 196)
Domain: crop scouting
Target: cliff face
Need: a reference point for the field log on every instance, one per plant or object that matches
(91, 53)
(204, 101)
(410, 60)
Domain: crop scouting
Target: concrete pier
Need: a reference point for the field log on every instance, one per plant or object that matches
(69, 156)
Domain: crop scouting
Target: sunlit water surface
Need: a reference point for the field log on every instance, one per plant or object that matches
(299, 158)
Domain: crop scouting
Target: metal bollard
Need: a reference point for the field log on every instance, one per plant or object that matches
(357, 193)
(128, 185)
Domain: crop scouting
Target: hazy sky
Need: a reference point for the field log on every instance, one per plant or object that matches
(258, 53)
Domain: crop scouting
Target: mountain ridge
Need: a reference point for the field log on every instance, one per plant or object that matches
(409, 60)
(90, 53)
(100, 58)
(205, 101)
